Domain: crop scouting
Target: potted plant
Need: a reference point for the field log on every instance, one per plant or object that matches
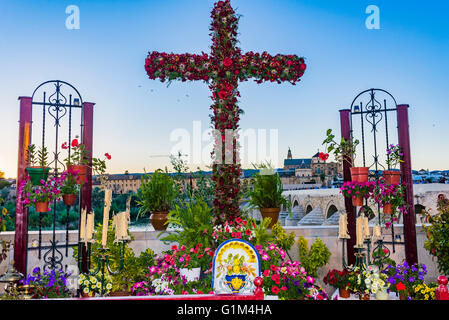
(188, 260)
(339, 280)
(403, 278)
(376, 283)
(156, 195)
(345, 151)
(357, 191)
(69, 187)
(390, 198)
(78, 161)
(265, 193)
(394, 157)
(90, 285)
(37, 164)
(46, 285)
(40, 196)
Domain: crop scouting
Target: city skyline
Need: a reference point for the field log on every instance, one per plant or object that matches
(134, 116)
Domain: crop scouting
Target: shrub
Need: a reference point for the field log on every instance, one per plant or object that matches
(437, 242)
(316, 257)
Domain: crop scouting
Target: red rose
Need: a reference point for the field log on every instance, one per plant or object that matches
(64, 145)
(227, 62)
(222, 94)
(303, 67)
(108, 156)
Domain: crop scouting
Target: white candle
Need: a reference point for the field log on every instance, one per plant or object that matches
(83, 225)
(107, 207)
(115, 224)
(89, 227)
(342, 227)
(377, 233)
(359, 234)
(123, 225)
(366, 232)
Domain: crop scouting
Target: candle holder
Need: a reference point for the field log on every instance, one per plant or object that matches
(103, 262)
(360, 257)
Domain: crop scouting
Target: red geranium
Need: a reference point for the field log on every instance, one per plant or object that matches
(75, 143)
(400, 286)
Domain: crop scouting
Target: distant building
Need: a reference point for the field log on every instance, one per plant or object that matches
(310, 170)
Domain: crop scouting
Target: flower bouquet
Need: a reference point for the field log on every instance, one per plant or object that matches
(357, 191)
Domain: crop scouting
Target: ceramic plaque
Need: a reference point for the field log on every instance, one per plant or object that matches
(235, 266)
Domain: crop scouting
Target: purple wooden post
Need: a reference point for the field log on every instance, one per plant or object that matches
(411, 253)
(345, 125)
(86, 192)
(21, 227)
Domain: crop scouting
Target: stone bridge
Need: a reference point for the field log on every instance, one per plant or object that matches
(322, 206)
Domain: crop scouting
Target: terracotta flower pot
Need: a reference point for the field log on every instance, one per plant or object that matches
(69, 199)
(87, 295)
(81, 170)
(272, 213)
(388, 208)
(364, 296)
(37, 173)
(392, 176)
(344, 293)
(357, 201)
(403, 296)
(158, 220)
(359, 174)
(42, 206)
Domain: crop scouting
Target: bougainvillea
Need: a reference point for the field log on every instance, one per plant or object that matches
(222, 69)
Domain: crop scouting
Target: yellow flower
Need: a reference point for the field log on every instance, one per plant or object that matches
(426, 297)
(4, 211)
(98, 285)
(86, 283)
(86, 290)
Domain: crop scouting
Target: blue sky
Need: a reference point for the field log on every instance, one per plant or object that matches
(134, 116)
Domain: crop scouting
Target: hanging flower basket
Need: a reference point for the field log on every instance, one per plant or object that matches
(42, 206)
(392, 176)
(81, 171)
(388, 208)
(37, 174)
(69, 199)
(357, 201)
(359, 174)
(272, 213)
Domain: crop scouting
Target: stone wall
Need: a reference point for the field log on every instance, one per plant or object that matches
(147, 238)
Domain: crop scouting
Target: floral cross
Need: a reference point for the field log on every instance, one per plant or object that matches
(222, 69)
